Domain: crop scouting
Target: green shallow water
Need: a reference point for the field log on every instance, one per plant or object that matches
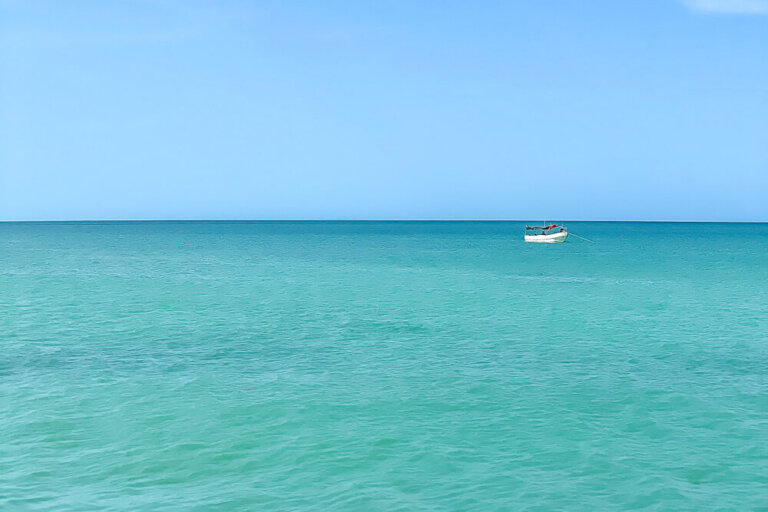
(382, 366)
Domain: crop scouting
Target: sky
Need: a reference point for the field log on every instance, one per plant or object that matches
(530, 110)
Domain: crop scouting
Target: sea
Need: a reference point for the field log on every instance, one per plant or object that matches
(383, 366)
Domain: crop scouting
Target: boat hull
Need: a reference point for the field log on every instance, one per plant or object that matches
(553, 238)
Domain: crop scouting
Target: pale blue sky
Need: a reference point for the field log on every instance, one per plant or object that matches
(603, 109)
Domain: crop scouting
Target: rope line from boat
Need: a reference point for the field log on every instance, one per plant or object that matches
(577, 236)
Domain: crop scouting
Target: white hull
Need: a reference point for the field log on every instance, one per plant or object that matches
(552, 238)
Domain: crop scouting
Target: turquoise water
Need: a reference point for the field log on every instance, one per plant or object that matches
(382, 366)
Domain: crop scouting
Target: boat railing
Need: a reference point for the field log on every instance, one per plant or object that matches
(547, 229)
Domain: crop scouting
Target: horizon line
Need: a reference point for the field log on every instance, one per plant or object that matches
(388, 220)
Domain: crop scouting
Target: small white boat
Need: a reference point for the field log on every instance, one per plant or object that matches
(550, 234)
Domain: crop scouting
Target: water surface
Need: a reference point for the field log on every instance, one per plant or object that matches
(382, 366)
